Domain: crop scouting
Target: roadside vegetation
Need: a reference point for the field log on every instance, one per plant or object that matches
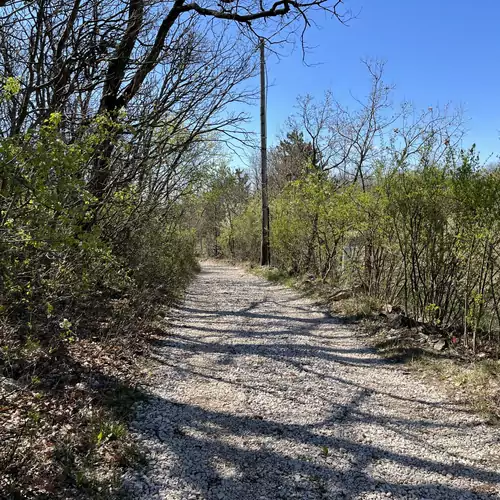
(79, 292)
(117, 120)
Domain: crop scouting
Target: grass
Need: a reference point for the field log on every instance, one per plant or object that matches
(358, 307)
(476, 383)
(275, 275)
(121, 401)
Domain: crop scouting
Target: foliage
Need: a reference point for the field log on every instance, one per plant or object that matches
(310, 218)
(382, 201)
(219, 205)
(72, 273)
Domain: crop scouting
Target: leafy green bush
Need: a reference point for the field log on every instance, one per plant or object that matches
(241, 239)
(79, 275)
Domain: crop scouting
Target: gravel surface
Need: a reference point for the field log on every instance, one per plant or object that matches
(259, 394)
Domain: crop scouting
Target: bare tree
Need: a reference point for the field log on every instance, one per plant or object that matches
(347, 142)
(315, 120)
(426, 135)
(358, 135)
(104, 57)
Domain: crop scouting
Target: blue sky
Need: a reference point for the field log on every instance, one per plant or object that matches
(436, 52)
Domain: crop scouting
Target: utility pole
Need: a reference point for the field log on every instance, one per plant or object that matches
(265, 255)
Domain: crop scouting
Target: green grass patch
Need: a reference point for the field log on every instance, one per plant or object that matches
(357, 307)
(274, 275)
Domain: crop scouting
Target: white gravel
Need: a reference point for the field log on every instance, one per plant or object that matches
(259, 394)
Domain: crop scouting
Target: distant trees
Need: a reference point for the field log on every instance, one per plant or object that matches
(223, 197)
(290, 160)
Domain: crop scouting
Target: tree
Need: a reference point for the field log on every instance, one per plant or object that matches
(95, 57)
(290, 160)
(224, 196)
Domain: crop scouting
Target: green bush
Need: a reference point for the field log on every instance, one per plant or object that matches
(59, 245)
(241, 239)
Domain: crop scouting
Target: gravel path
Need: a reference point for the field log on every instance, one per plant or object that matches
(259, 394)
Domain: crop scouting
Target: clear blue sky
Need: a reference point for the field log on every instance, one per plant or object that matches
(437, 51)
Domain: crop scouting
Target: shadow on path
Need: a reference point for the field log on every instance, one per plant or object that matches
(330, 467)
(259, 397)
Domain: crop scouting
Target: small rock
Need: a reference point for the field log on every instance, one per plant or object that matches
(439, 345)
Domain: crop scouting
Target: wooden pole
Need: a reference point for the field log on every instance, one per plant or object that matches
(265, 255)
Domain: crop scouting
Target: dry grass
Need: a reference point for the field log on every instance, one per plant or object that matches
(357, 307)
(475, 383)
(274, 275)
(64, 406)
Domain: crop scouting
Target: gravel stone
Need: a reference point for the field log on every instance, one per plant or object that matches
(260, 394)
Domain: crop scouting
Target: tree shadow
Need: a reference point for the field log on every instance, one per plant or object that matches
(277, 350)
(213, 455)
(200, 450)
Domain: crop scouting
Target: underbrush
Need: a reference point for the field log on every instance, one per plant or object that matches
(274, 275)
(65, 402)
(68, 384)
(474, 383)
(82, 278)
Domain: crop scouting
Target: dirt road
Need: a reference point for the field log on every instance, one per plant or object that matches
(261, 395)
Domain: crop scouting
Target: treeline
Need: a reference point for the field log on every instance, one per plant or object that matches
(383, 202)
